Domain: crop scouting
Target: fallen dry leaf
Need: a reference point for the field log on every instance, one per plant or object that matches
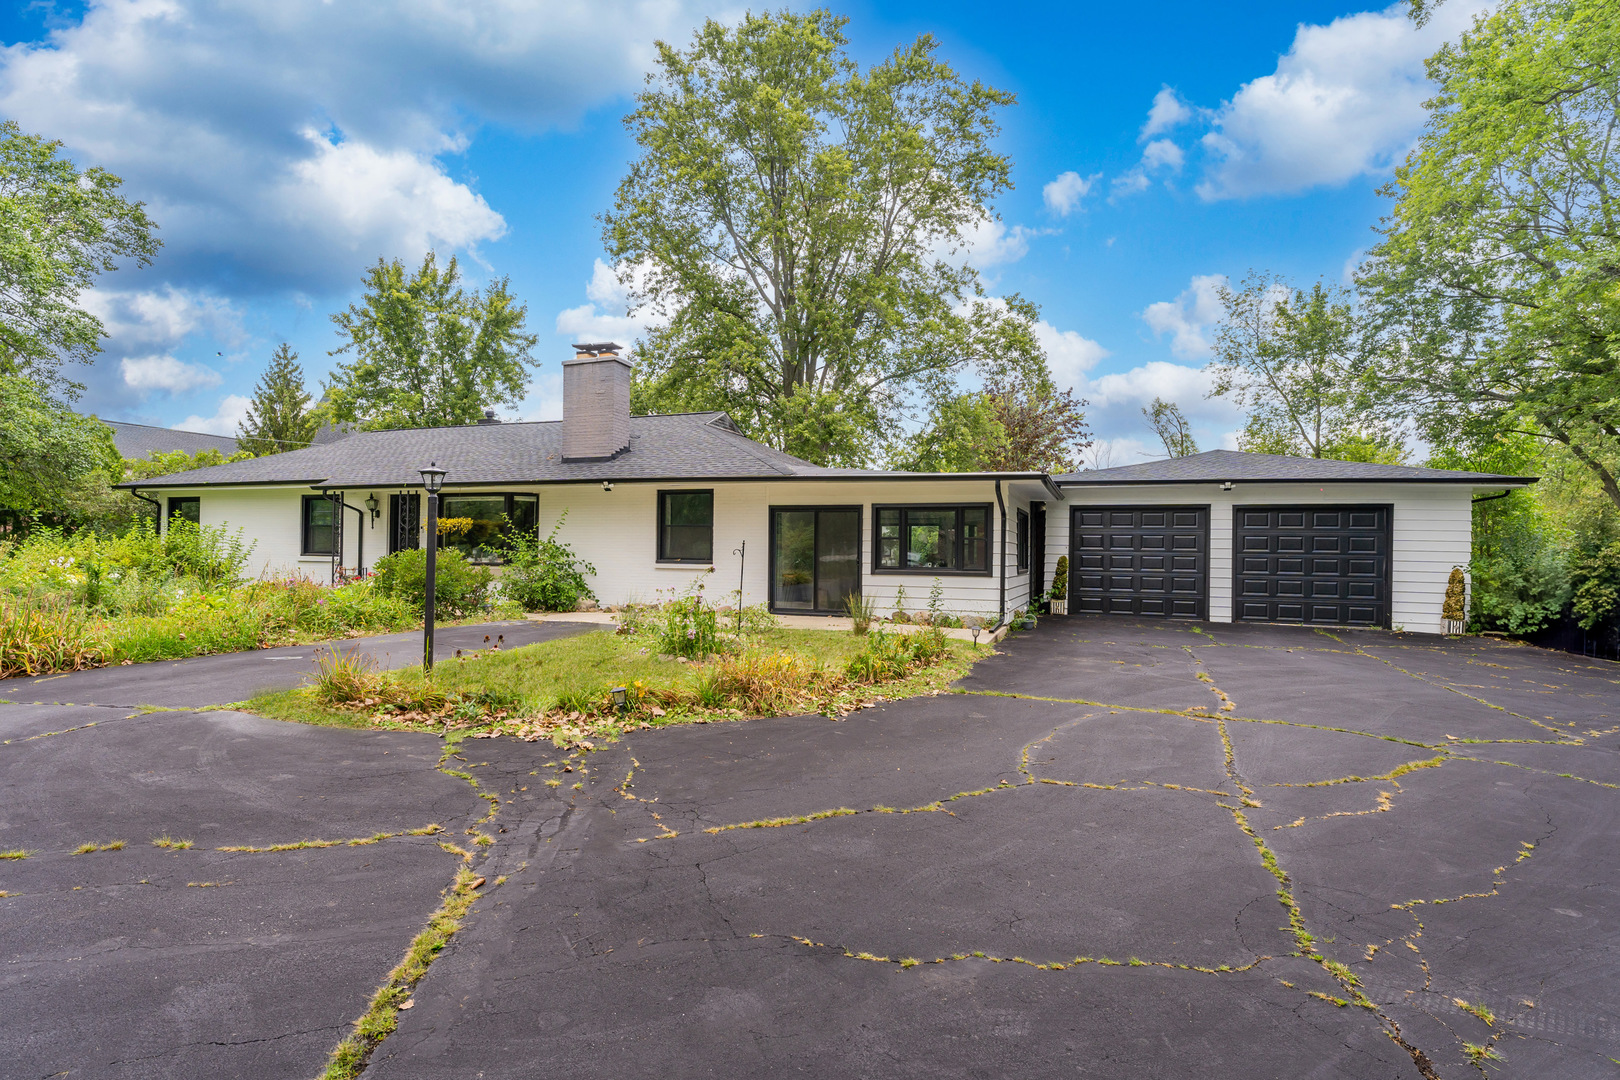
(409, 1003)
(476, 883)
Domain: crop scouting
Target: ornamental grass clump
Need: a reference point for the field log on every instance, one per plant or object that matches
(38, 638)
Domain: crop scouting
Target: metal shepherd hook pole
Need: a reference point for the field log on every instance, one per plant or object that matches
(742, 562)
(432, 479)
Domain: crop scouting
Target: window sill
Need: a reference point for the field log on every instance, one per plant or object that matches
(928, 572)
(682, 564)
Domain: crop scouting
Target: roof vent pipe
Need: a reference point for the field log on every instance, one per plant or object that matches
(596, 403)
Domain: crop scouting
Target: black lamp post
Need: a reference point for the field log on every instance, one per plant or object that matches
(433, 480)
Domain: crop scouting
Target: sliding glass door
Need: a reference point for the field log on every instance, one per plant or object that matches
(815, 558)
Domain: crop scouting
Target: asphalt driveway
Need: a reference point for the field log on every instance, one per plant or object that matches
(143, 961)
(1100, 859)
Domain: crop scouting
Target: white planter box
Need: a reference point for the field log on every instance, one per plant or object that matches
(1060, 607)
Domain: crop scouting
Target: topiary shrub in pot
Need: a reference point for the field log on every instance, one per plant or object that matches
(1060, 587)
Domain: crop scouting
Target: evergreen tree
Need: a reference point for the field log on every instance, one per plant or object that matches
(280, 417)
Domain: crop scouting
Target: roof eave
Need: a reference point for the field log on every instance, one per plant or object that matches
(1476, 481)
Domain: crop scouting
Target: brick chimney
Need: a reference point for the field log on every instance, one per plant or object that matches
(596, 403)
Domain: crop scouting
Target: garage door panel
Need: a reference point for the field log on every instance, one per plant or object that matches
(1157, 561)
(1322, 565)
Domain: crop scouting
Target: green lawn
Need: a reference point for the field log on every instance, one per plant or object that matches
(542, 678)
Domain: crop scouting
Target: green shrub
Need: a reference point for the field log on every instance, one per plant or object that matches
(689, 628)
(461, 589)
(1595, 575)
(929, 645)
(1521, 586)
(1060, 579)
(544, 575)
(886, 657)
(37, 638)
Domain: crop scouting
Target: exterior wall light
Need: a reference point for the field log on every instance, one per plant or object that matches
(433, 480)
(1227, 485)
(607, 485)
(372, 505)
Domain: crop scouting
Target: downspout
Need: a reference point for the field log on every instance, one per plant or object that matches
(1491, 498)
(1001, 508)
(155, 504)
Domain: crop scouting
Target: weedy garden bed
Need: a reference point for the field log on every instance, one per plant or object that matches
(563, 691)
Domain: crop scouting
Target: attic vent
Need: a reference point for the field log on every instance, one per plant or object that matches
(489, 417)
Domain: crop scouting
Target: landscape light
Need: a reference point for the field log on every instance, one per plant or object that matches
(621, 698)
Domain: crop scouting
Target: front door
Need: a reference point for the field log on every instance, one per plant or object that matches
(815, 558)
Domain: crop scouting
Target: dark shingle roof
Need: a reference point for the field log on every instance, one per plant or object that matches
(1218, 466)
(686, 446)
(139, 440)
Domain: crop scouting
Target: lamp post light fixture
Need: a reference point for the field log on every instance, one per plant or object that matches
(433, 480)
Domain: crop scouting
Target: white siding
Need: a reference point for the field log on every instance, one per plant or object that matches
(616, 532)
(1431, 531)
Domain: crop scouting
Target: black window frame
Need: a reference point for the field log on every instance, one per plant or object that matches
(662, 556)
(506, 513)
(988, 570)
(303, 526)
(173, 509)
(1021, 532)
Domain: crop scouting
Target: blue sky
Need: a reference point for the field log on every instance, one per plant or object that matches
(284, 147)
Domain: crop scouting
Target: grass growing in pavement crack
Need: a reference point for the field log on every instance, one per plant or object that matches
(358, 841)
(382, 1014)
(90, 847)
(15, 853)
(167, 841)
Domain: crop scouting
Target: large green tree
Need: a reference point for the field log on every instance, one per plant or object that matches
(46, 451)
(60, 228)
(279, 417)
(1009, 426)
(1499, 269)
(427, 352)
(1295, 361)
(790, 225)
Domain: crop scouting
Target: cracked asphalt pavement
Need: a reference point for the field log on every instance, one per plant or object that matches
(176, 962)
(978, 885)
(1123, 850)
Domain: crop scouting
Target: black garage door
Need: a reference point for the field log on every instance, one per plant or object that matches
(1312, 564)
(1140, 560)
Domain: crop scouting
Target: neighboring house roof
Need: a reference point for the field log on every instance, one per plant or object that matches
(137, 441)
(687, 446)
(1237, 466)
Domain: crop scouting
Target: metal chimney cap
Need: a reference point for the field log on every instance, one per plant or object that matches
(596, 348)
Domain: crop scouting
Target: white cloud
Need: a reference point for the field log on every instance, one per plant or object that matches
(1127, 184)
(1186, 386)
(1162, 154)
(1167, 112)
(989, 242)
(232, 412)
(1068, 354)
(166, 374)
(156, 320)
(290, 143)
(1346, 100)
(607, 315)
(1189, 317)
(368, 200)
(1063, 194)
